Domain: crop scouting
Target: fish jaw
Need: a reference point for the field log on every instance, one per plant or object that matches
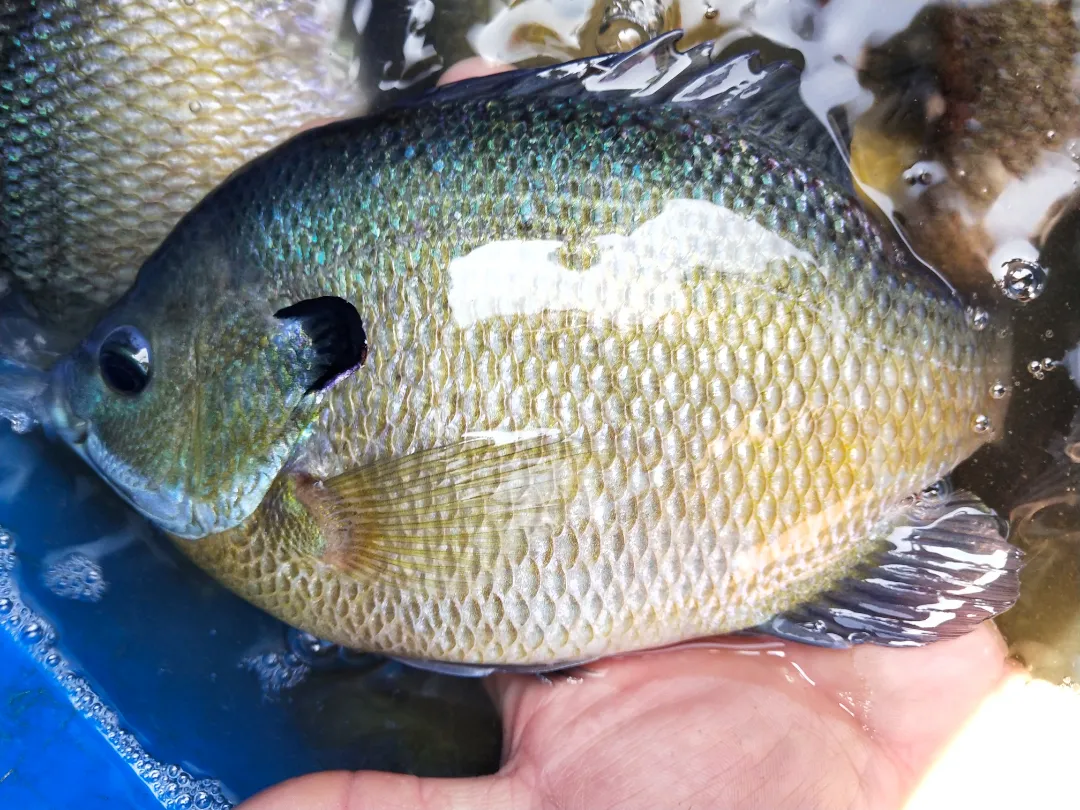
(172, 508)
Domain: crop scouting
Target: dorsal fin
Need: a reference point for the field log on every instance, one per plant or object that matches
(753, 87)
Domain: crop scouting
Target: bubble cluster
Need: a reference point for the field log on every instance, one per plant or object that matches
(1040, 368)
(174, 787)
(76, 576)
(276, 671)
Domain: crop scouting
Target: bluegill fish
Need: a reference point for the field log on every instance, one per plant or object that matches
(553, 365)
(116, 118)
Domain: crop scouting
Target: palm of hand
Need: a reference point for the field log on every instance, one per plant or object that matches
(705, 728)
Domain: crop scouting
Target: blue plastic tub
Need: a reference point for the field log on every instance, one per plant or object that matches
(128, 677)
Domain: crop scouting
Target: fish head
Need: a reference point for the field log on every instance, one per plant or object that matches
(190, 405)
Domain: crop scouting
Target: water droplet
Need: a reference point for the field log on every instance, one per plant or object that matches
(194, 106)
(981, 423)
(710, 13)
(5, 605)
(1035, 369)
(189, 2)
(978, 318)
(32, 632)
(1023, 281)
(202, 800)
(52, 659)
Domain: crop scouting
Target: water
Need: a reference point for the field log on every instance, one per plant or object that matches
(136, 636)
(201, 694)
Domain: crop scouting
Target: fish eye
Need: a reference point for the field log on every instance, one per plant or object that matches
(124, 361)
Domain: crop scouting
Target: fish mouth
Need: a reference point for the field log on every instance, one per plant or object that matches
(171, 512)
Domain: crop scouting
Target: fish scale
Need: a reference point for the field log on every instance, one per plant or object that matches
(118, 117)
(681, 386)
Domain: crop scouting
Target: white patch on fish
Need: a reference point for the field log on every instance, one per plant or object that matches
(636, 278)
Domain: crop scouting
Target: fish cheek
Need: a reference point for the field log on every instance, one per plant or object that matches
(262, 382)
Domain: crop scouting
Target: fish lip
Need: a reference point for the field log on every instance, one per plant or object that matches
(176, 515)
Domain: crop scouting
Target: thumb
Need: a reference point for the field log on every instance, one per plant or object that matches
(372, 790)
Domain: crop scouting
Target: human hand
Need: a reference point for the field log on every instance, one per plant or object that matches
(781, 726)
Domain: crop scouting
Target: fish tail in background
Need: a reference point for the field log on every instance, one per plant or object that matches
(945, 567)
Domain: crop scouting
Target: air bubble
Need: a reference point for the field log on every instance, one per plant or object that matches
(1073, 452)
(5, 605)
(195, 106)
(998, 390)
(629, 23)
(711, 13)
(32, 632)
(6, 540)
(1023, 280)
(978, 318)
(981, 423)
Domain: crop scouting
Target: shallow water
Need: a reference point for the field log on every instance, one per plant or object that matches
(140, 635)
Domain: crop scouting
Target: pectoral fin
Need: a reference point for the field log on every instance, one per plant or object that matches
(435, 518)
(946, 568)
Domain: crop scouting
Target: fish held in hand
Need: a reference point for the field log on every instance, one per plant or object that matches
(553, 365)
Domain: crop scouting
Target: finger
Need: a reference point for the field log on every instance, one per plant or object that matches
(370, 790)
(471, 68)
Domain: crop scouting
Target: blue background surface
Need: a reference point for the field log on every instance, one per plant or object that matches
(170, 651)
(51, 758)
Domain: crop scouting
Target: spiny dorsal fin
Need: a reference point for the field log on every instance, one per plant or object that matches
(753, 87)
(946, 568)
(431, 519)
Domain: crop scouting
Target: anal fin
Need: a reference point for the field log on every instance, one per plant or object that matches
(945, 568)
